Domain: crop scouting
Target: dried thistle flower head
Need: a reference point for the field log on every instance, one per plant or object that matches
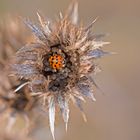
(60, 65)
(14, 102)
(12, 36)
(13, 105)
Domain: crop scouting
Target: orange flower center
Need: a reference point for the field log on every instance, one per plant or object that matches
(56, 61)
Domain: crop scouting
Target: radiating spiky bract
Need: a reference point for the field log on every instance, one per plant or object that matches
(60, 65)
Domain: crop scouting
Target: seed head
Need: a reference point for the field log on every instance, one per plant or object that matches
(60, 65)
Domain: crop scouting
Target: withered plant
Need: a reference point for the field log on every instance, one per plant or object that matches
(60, 65)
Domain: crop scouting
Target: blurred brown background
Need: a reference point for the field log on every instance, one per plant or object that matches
(116, 114)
